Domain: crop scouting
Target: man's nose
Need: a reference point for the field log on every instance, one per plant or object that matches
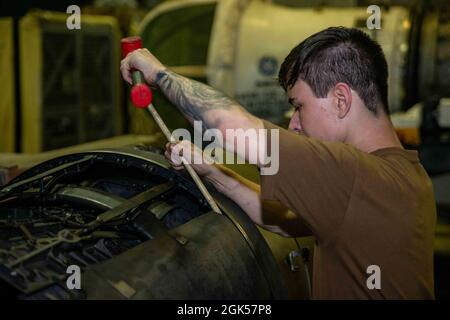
(294, 123)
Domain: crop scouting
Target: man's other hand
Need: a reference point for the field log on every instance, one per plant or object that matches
(200, 163)
(144, 61)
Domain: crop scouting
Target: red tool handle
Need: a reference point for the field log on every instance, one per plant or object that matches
(140, 94)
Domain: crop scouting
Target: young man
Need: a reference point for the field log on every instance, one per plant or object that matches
(343, 174)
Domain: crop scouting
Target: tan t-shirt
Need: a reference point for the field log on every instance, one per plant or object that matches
(364, 209)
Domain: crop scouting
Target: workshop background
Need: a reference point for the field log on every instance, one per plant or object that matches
(61, 90)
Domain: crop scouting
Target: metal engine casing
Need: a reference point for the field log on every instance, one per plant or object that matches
(163, 241)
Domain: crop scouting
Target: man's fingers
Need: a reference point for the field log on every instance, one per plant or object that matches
(185, 149)
(125, 70)
(172, 147)
(192, 154)
(173, 158)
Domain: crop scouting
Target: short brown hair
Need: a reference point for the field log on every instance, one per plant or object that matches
(339, 54)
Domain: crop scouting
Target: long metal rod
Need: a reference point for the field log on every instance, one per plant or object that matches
(186, 164)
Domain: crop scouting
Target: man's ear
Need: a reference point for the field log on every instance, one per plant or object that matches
(343, 97)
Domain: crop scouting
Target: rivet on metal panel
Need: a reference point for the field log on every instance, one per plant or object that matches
(124, 288)
(180, 239)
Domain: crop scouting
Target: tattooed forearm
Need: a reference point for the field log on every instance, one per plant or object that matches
(194, 99)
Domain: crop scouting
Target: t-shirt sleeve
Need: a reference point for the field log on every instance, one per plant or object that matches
(314, 179)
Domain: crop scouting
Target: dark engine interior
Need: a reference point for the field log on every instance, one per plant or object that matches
(84, 210)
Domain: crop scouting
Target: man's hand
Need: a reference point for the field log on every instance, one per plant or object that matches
(144, 61)
(201, 164)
